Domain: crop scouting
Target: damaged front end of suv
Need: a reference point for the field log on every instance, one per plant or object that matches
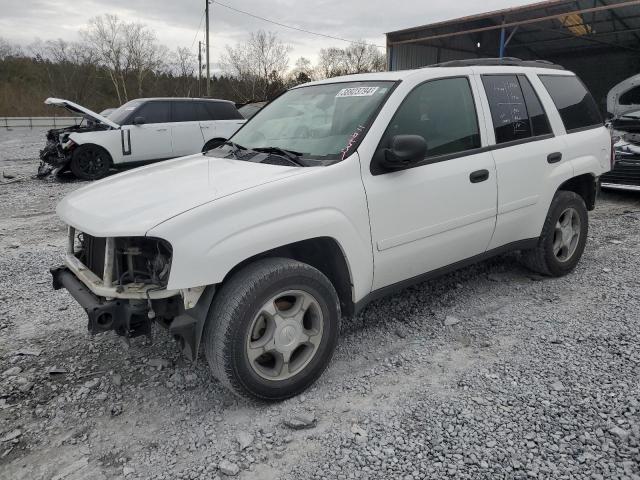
(56, 155)
(128, 277)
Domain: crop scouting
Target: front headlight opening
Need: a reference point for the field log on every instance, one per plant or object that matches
(142, 260)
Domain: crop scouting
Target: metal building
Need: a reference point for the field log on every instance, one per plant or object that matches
(597, 39)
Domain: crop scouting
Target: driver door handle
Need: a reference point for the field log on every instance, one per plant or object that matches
(479, 176)
(554, 157)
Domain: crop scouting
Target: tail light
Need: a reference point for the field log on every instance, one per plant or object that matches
(613, 152)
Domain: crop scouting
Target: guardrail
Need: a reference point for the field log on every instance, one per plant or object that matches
(38, 122)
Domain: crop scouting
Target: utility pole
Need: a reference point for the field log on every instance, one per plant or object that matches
(207, 54)
(199, 68)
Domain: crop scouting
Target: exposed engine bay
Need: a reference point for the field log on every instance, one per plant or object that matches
(56, 155)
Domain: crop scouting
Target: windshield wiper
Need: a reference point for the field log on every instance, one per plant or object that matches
(288, 154)
(235, 148)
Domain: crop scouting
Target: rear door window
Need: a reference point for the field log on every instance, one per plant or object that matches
(154, 112)
(575, 104)
(537, 116)
(184, 112)
(202, 113)
(222, 111)
(516, 111)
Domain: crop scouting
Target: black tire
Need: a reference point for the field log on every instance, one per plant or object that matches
(542, 258)
(232, 314)
(213, 143)
(90, 162)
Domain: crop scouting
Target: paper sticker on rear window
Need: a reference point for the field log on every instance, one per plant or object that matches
(357, 92)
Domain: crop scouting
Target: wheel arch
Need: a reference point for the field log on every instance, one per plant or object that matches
(323, 253)
(584, 185)
(110, 143)
(95, 145)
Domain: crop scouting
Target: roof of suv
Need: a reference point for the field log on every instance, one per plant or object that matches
(189, 99)
(512, 64)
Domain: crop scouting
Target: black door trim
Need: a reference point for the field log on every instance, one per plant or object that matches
(396, 287)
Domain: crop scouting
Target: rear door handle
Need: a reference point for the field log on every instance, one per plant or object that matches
(479, 176)
(554, 157)
(161, 130)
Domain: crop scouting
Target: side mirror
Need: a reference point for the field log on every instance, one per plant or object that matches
(138, 121)
(404, 151)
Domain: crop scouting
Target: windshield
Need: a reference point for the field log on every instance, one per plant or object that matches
(319, 121)
(120, 114)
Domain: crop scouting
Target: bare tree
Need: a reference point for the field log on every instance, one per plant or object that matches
(331, 62)
(362, 58)
(260, 63)
(8, 49)
(183, 66)
(302, 72)
(356, 58)
(143, 52)
(106, 35)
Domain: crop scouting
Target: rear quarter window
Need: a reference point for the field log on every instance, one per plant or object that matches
(575, 104)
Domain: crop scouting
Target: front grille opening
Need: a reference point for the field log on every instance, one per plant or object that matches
(91, 253)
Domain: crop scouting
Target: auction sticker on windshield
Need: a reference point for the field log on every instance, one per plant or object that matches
(357, 92)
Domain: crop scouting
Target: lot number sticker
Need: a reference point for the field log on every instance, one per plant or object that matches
(357, 92)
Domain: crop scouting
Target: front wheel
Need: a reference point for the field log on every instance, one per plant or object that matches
(90, 162)
(272, 329)
(564, 236)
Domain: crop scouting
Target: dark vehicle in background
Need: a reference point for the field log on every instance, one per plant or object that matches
(623, 104)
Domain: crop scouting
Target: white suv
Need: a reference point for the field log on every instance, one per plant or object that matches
(140, 131)
(336, 193)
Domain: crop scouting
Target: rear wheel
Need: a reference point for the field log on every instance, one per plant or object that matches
(272, 329)
(563, 238)
(90, 162)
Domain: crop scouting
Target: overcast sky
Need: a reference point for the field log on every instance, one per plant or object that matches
(176, 21)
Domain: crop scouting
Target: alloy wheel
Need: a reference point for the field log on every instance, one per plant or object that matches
(284, 335)
(567, 234)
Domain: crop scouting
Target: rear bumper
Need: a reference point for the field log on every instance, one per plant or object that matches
(124, 317)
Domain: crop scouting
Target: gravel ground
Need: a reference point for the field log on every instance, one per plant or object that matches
(490, 372)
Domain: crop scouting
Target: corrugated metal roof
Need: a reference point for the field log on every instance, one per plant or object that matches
(538, 28)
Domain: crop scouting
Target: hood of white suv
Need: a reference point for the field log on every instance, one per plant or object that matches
(131, 203)
(75, 108)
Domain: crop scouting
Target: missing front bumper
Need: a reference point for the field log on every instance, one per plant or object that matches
(127, 318)
(130, 317)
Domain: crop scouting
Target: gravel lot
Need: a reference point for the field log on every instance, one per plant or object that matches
(490, 372)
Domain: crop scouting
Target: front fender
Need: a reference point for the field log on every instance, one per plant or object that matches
(210, 240)
(110, 140)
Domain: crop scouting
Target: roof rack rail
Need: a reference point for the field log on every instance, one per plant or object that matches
(506, 61)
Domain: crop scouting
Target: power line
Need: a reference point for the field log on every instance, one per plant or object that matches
(197, 31)
(293, 28)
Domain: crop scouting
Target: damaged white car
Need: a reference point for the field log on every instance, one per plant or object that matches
(336, 193)
(140, 131)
